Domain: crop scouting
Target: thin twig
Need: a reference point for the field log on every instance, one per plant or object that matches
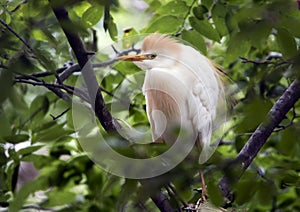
(19, 6)
(184, 19)
(16, 34)
(264, 62)
(57, 88)
(60, 115)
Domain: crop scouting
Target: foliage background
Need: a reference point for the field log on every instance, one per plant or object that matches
(257, 43)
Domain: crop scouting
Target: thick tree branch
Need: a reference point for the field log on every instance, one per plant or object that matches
(259, 137)
(102, 113)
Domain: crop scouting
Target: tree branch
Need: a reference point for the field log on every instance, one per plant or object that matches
(259, 137)
(16, 34)
(102, 113)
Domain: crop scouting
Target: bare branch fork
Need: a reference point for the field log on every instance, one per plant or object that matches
(259, 137)
(102, 113)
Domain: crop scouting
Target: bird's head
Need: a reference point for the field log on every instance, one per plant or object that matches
(158, 51)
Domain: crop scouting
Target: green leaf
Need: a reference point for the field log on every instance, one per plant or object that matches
(81, 7)
(252, 116)
(245, 190)
(266, 193)
(195, 39)
(39, 35)
(57, 197)
(5, 126)
(288, 142)
(215, 194)
(231, 23)
(205, 28)
(38, 109)
(165, 24)
(130, 37)
(39, 161)
(292, 24)
(6, 17)
(126, 67)
(44, 57)
(237, 47)
(14, 139)
(286, 43)
(18, 102)
(6, 82)
(30, 149)
(92, 15)
(219, 12)
(27, 189)
(200, 12)
(220, 25)
(52, 134)
(177, 8)
(207, 3)
(112, 29)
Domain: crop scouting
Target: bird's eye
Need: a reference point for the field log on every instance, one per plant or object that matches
(151, 56)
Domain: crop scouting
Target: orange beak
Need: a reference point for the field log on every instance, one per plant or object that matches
(138, 57)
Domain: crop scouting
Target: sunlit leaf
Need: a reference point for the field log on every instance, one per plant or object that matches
(205, 28)
(195, 39)
(164, 24)
(57, 197)
(30, 149)
(112, 29)
(92, 15)
(39, 35)
(176, 8)
(81, 7)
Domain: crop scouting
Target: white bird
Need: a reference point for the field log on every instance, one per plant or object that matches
(182, 89)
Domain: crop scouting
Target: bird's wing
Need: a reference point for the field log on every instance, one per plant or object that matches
(202, 113)
(202, 106)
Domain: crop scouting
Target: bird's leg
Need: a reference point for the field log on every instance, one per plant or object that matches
(204, 191)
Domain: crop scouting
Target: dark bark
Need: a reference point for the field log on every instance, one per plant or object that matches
(102, 113)
(259, 138)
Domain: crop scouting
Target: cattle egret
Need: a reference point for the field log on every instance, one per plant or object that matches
(182, 88)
